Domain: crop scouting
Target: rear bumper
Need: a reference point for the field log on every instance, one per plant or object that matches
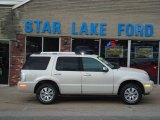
(27, 87)
(148, 87)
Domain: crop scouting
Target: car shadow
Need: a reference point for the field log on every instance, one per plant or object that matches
(90, 99)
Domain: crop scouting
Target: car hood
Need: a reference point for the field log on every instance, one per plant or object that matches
(126, 69)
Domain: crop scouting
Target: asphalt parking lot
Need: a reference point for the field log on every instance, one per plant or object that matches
(15, 105)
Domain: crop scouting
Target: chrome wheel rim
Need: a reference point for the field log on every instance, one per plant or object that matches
(47, 94)
(131, 95)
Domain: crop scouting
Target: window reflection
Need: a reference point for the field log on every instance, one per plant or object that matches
(144, 55)
(51, 44)
(92, 44)
(115, 51)
(33, 45)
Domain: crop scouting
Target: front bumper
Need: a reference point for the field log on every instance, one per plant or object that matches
(148, 87)
(26, 87)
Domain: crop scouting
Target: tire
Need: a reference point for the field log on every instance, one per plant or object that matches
(46, 94)
(131, 94)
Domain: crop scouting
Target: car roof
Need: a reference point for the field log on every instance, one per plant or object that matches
(71, 54)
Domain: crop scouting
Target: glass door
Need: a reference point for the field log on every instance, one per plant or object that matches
(4, 61)
(159, 65)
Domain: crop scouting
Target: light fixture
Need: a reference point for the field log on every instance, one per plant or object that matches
(65, 42)
(16, 43)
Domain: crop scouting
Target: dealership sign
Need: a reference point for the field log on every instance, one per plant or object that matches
(138, 30)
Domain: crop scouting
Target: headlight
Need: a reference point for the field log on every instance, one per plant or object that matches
(23, 76)
(147, 85)
(146, 73)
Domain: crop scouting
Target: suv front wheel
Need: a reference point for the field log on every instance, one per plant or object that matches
(46, 93)
(131, 94)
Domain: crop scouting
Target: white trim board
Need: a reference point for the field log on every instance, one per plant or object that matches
(20, 4)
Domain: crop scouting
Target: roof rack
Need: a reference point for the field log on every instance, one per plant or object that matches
(57, 53)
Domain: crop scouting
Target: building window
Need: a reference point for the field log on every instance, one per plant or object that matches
(92, 44)
(33, 45)
(144, 55)
(115, 51)
(51, 44)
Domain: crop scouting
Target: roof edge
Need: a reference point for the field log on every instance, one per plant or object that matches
(20, 4)
(8, 3)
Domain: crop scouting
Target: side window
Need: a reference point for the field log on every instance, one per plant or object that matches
(36, 63)
(68, 64)
(90, 64)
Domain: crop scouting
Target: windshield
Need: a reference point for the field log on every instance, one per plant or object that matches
(106, 62)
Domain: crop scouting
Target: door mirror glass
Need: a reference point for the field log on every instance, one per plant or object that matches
(105, 69)
(116, 66)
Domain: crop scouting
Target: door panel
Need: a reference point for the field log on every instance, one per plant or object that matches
(97, 82)
(70, 82)
(94, 80)
(69, 75)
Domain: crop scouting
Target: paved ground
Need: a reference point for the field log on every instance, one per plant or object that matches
(18, 106)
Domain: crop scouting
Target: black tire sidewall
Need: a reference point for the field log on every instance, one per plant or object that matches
(49, 86)
(131, 86)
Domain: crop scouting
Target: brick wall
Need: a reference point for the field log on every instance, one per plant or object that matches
(17, 53)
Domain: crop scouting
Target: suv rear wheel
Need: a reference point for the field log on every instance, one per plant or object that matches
(131, 94)
(46, 93)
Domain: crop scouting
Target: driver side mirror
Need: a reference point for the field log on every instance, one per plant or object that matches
(105, 69)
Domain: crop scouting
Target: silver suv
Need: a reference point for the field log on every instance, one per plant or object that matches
(51, 74)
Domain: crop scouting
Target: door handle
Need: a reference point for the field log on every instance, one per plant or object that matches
(57, 74)
(87, 75)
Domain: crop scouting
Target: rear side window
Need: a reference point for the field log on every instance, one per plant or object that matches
(68, 64)
(36, 63)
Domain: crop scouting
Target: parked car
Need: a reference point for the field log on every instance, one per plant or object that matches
(49, 75)
(150, 66)
(83, 50)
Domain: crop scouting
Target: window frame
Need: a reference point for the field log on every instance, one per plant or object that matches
(42, 43)
(79, 64)
(93, 59)
(46, 65)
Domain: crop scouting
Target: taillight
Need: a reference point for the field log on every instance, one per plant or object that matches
(23, 76)
(155, 67)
